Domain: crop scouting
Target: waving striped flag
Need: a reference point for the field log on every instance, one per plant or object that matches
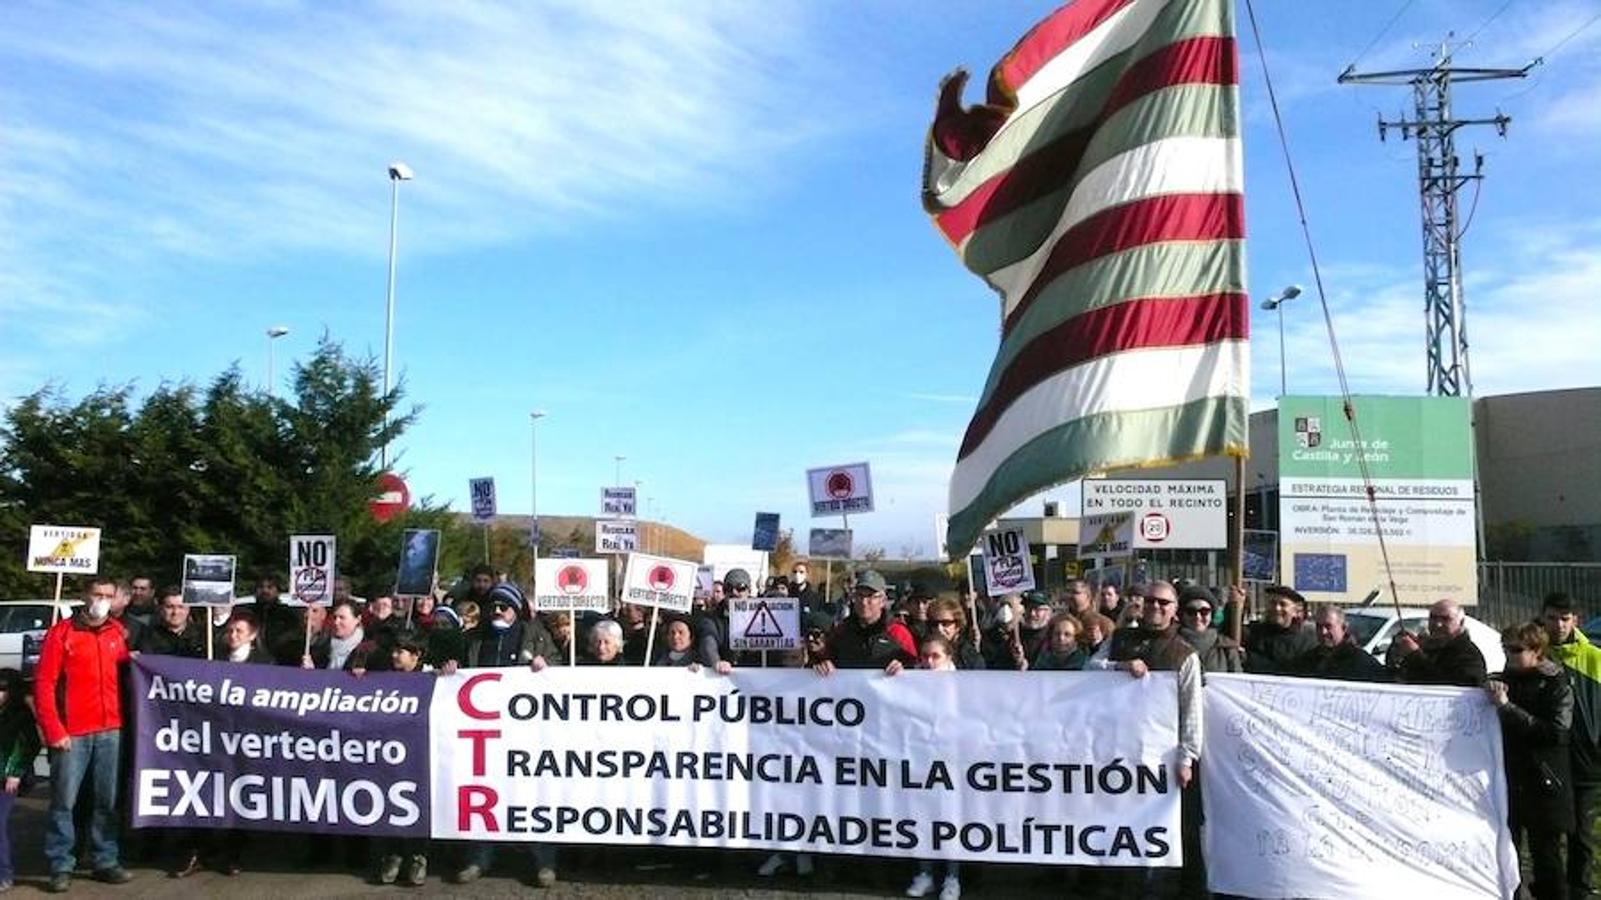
(1098, 190)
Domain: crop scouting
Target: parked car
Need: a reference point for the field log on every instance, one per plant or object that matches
(20, 618)
(1374, 628)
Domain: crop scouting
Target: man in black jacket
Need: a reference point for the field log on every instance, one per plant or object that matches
(1273, 644)
(868, 638)
(1336, 656)
(1446, 655)
(170, 632)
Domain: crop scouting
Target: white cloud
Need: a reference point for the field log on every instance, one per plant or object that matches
(1531, 320)
(147, 133)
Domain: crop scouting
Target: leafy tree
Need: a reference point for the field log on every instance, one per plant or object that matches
(224, 469)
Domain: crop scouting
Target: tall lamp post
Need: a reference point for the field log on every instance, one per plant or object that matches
(398, 172)
(533, 472)
(1276, 302)
(273, 334)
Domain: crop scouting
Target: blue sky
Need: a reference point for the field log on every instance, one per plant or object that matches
(690, 232)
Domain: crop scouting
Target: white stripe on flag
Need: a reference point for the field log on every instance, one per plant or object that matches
(1016, 134)
(1179, 165)
(1134, 380)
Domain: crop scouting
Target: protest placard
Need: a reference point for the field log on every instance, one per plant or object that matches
(765, 535)
(659, 581)
(1261, 556)
(208, 579)
(616, 536)
(311, 568)
(419, 562)
(618, 501)
(64, 549)
(1106, 536)
(1008, 567)
(483, 498)
(829, 543)
(576, 584)
(840, 490)
(763, 623)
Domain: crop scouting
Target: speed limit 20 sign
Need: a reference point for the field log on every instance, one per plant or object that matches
(1007, 565)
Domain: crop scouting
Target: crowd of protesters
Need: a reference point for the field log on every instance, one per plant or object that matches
(1548, 698)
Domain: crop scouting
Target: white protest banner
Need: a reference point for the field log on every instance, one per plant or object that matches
(1339, 789)
(1106, 536)
(659, 581)
(561, 584)
(1172, 513)
(311, 568)
(763, 623)
(925, 765)
(616, 537)
(64, 549)
(840, 490)
(1007, 564)
(617, 501)
(483, 497)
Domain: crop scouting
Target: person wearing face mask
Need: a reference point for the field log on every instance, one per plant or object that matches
(1000, 644)
(77, 694)
(800, 585)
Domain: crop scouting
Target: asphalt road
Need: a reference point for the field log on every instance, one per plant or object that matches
(276, 867)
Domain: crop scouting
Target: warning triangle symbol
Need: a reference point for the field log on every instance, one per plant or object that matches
(763, 624)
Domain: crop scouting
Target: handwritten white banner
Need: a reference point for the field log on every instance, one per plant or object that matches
(1334, 789)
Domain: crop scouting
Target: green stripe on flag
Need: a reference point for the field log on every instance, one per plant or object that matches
(1080, 102)
(1191, 110)
(1169, 269)
(1101, 442)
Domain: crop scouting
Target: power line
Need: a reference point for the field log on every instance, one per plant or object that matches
(1383, 31)
(1493, 16)
(1571, 35)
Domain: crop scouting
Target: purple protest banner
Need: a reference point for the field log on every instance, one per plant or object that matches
(237, 745)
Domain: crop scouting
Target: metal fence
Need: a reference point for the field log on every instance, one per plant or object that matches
(1512, 592)
(1509, 592)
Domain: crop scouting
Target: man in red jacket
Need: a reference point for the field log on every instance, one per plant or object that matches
(77, 700)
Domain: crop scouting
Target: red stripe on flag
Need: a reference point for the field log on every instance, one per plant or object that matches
(1170, 217)
(1132, 325)
(1202, 60)
(1045, 41)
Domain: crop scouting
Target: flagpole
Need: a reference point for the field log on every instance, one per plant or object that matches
(1237, 543)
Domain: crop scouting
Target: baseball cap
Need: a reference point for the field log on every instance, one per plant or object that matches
(1036, 598)
(871, 580)
(736, 580)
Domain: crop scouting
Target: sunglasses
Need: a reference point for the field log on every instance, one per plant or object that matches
(946, 622)
(1198, 611)
(1160, 602)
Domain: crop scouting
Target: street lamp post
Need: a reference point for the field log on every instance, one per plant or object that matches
(1277, 302)
(533, 473)
(398, 172)
(273, 334)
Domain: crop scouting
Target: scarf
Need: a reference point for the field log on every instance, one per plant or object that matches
(339, 649)
(1202, 641)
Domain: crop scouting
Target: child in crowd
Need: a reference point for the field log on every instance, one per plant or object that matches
(406, 656)
(19, 744)
(936, 654)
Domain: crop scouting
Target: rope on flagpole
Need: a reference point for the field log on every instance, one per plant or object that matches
(1323, 301)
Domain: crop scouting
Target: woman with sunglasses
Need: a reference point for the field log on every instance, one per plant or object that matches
(947, 619)
(1535, 704)
(1216, 652)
